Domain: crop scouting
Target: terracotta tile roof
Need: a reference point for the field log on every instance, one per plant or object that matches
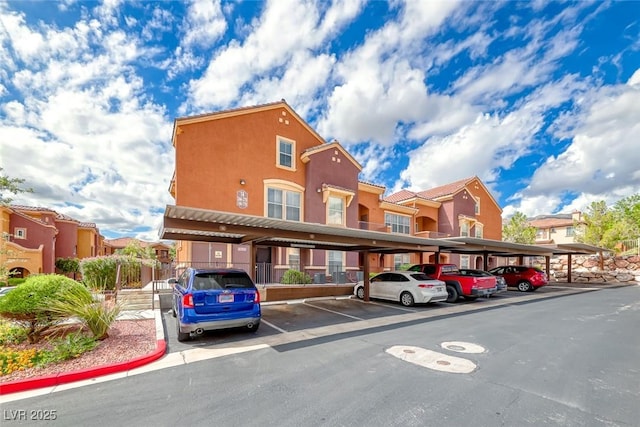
(41, 209)
(371, 184)
(561, 220)
(234, 110)
(400, 196)
(445, 190)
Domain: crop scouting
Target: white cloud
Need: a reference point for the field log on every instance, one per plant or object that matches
(601, 163)
(97, 148)
(204, 23)
(283, 30)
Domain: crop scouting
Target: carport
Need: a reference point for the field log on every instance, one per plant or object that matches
(186, 223)
(488, 247)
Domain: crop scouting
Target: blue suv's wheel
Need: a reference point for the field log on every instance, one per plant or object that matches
(182, 336)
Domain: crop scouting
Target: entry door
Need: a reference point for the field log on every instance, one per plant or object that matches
(263, 265)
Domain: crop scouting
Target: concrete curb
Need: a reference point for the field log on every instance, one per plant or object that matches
(84, 374)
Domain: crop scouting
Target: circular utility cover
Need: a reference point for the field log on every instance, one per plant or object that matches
(463, 347)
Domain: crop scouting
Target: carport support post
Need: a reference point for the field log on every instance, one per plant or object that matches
(365, 275)
(568, 268)
(547, 265)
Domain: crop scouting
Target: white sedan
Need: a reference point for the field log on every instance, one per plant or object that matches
(407, 287)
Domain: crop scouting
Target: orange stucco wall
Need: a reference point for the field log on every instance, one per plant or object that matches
(213, 156)
(490, 214)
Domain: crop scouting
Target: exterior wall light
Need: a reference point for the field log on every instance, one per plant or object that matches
(243, 182)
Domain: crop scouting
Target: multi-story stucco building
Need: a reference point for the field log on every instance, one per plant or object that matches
(267, 161)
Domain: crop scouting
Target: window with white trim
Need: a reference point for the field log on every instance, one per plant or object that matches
(285, 153)
(464, 229)
(477, 205)
(293, 258)
(464, 261)
(283, 204)
(398, 223)
(335, 210)
(20, 233)
(334, 262)
(400, 259)
(479, 228)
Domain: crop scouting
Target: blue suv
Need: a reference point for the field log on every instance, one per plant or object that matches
(214, 298)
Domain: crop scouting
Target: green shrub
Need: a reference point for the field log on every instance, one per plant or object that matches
(25, 305)
(95, 315)
(99, 273)
(68, 265)
(15, 281)
(292, 277)
(68, 347)
(11, 333)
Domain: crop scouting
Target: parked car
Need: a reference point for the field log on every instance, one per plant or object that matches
(523, 277)
(501, 284)
(458, 285)
(210, 299)
(407, 287)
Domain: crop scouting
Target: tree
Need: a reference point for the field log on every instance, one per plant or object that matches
(627, 213)
(135, 249)
(11, 185)
(598, 220)
(8, 186)
(599, 228)
(518, 230)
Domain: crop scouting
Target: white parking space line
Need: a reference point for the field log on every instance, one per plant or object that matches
(273, 326)
(332, 311)
(387, 305)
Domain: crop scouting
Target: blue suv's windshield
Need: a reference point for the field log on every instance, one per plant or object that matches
(215, 280)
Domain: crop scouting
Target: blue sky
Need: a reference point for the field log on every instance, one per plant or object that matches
(541, 100)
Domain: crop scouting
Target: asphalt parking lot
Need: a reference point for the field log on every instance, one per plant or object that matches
(342, 313)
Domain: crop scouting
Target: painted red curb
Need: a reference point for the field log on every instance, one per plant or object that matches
(83, 374)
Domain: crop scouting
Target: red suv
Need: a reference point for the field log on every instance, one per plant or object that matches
(523, 277)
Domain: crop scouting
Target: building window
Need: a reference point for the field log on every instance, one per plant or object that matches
(293, 258)
(285, 153)
(464, 229)
(398, 223)
(20, 233)
(541, 234)
(335, 210)
(464, 261)
(283, 204)
(479, 231)
(477, 205)
(334, 263)
(570, 231)
(400, 259)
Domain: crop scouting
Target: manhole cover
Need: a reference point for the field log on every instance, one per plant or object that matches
(443, 362)
(406, 350)
(456, 347)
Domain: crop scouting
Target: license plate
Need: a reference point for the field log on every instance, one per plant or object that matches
(225, 298)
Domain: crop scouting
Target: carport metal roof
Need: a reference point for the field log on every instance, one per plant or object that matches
(186, 223)
(496, 247)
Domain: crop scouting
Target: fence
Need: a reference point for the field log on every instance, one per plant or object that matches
(629, 246)
(267, 273)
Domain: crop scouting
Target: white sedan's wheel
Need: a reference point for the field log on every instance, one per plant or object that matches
(406, 299)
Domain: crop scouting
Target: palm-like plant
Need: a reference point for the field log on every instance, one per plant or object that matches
(97, 316)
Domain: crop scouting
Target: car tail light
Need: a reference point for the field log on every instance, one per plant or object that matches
(422, 285)
(187, 301)
(257, 298)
